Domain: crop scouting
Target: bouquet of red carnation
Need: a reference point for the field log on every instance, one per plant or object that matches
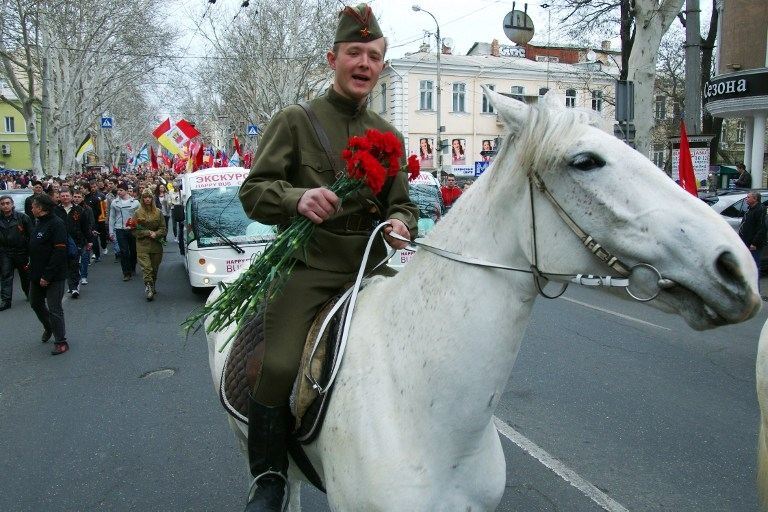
(131, 223)
(370, 160)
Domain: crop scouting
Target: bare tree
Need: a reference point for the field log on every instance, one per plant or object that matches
(641, 24)
(100, 54)
(19, 65)
(272, 55)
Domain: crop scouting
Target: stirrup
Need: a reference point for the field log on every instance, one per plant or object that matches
(286, 491)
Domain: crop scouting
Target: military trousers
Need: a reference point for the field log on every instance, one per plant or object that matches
(150, 263)
(287, 320)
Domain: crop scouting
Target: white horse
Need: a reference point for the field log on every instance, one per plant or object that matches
(761, 371)
(409, 426)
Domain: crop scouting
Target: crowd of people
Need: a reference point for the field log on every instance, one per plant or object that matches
(70, 223)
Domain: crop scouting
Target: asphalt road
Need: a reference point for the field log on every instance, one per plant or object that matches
(658, 417)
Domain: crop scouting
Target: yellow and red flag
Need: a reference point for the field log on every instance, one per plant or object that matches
(173, 137)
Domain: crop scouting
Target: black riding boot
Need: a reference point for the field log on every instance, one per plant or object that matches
(268, 429)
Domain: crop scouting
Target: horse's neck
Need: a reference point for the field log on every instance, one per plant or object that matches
(458, 327)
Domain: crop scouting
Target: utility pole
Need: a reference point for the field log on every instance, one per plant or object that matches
(692, 115)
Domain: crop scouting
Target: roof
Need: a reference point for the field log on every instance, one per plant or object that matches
(484, 63)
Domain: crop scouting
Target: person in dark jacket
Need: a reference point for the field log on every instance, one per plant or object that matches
(15, 229)
(98, 204)
(48, 271)
(37, 188)
(85, 254)
(745, 179)
(752, 229)
(79, 230)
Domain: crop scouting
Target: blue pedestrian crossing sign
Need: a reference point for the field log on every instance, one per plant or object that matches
(106, 122)
(253, 130)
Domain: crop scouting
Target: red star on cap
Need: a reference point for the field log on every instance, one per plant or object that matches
(365, 32)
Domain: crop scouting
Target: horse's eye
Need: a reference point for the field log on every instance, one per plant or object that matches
(587, 162)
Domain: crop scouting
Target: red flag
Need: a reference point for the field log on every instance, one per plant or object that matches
(199, 156)
(247, 161)
(152, 158)
(685, 165)
(237, 147)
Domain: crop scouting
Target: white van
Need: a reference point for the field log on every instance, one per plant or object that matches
(425, 193)
(220, 239)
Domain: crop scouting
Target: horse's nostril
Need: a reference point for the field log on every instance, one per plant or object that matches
(727, 266)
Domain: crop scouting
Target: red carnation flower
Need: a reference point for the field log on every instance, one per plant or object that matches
(414, 168)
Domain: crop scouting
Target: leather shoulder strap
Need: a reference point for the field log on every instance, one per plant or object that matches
(322, 136)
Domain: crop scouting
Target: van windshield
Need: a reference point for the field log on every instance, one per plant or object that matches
(218, 219)
(427, 197)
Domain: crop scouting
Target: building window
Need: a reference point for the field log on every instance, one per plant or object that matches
(597, 101)
(9, 127)
(542, 92)
(660, 108)
(459, 95)
(570, 98)
(518, 92)
(384, 98)
(425, 98)
(658, 156)
(487, 107)
(738, 135)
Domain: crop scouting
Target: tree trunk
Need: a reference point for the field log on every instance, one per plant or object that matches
(651, 23)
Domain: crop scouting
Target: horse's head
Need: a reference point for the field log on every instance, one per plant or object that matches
(630, 207)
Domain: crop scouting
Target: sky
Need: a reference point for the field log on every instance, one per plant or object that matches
(463, 21)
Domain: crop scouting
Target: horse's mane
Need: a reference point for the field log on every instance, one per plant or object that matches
(547, 134)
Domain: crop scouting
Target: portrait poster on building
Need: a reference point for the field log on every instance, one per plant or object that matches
(487, 146)
(426, 152)
(458, 151)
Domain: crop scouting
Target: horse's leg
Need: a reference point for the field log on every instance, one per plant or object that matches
(761, 373)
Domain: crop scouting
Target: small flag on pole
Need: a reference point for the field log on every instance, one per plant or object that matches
(85, 147)
(152, 158)
(174, 136)
(685, 166)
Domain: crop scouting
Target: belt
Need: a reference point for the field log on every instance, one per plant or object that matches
(354, 222)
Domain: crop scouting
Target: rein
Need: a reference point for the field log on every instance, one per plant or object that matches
(624, 271)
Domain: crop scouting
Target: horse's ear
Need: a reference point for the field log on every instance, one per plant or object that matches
(513, 112)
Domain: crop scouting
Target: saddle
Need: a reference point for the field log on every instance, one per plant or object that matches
(242, 369)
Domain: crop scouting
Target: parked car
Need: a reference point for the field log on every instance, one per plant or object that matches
(731, 206)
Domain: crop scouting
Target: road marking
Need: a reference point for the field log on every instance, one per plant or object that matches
(557, 467)
(626, 317)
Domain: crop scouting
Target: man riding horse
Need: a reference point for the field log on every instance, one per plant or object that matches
(298, 158)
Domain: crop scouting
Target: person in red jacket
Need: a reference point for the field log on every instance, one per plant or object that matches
(450, 191)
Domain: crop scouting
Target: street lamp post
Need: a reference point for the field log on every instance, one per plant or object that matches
(438, 132)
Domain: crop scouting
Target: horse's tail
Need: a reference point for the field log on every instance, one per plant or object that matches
(761, 374)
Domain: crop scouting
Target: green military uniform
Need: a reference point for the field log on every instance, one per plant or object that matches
(290, 161)
(149, 251)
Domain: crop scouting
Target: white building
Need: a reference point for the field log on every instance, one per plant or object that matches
(406, 96)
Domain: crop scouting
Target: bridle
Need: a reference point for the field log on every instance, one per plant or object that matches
(350, 296)
(625, 271)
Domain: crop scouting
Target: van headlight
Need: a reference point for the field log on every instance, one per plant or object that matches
(210, 268)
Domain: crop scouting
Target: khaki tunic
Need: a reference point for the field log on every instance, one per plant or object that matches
(290, 160)
(144, 242)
